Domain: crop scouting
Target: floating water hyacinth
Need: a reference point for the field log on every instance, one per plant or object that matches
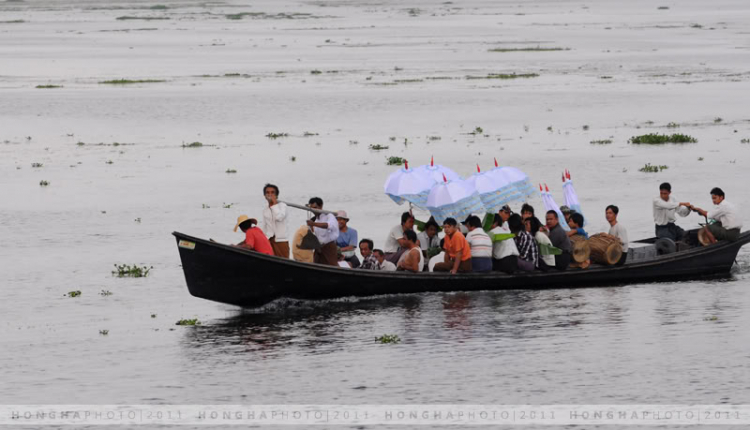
(453, 199)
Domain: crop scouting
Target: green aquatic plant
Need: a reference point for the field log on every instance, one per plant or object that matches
(131, 81)
(193, 321)
(238, 16)
(159, 7)
(315, 72)
(293, 158)
(308, 134)
(745, 141)
(153, 315)
(192, 145)
(585, 128)
(109, 162)
(395, 161)
(105, 293)
(103, 332)
(711, 318)
(143, 18)
(231, 171)
(43, 183)
(672, 125)
(433, 138)
(477, 130)
(227, 205)
(37, 165)
(659, 139)
(649, 168)
(48, 86)
(134, 271)
(388, 338)
(505, 76)
(718, 120)
(15, 21)
(378, 147)
(528, 49)
(601, 142)
(76, 293)
(276, 135)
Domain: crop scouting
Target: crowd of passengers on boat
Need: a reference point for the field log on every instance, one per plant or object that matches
(505, 241)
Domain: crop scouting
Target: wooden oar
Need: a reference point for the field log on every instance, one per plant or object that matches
(307, 208)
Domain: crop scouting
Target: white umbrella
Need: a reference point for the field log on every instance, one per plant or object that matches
(436, 172)
(453, 199)
(515, 184)
(570, 196)
(550, 205)
(407, 185)
(500, 186)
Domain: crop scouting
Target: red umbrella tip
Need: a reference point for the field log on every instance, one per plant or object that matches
(444, 178)
(546, 188)
(563, 177)
(567, 174)
(406, 164)
(495, 162)
(540, 187)
(478, 171)
(432, 161)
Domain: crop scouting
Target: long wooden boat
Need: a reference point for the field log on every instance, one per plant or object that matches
(228, 274)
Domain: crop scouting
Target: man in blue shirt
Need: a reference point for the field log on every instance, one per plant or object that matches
(347, 240)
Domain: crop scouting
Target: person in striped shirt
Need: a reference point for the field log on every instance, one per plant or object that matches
(480, 245)
(528, 258)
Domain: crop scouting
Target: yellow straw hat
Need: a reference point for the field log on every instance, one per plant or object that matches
(243, 218)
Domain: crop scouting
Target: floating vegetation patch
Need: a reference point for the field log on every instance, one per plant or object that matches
(585, 128)
(477, 130)
(528, 49)
(134, 271)
(718, 120)
(193, 145)
(263, 15)
(388, 338)
(76, 293)
(159, 7)
(433, 138)
(292, 158)
(377, 147)
(315, 72)
(673, 125)
(231, 171)
(193, 321)
(37, 165)
(109, 162)
(43, 183)
(658, 139)
(14, 21)
(131, 81)
(407, 81)
(276, 135)
(103, 332)
(505, 76)
(395, 161)
(711, 318)
(143, 18)
(601, 142)
(605, 77)
(649, 168)
(662, 8)
(48, 86)
(745, 141)
(308, 134)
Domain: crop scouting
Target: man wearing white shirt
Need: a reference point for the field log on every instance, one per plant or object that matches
(274, 221)
(326, 229)
(616, 229)
(665, 208)
(383, 264)
(728, 222)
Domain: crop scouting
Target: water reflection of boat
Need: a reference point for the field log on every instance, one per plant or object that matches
(236, 276)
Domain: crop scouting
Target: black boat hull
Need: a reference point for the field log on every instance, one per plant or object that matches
(236, 276)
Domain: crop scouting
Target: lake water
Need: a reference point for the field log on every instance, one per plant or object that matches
(417, 77)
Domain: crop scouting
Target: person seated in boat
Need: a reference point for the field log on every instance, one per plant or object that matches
(457, 252)
(429, 237)
(728, 222)
(395, 243)
(299, 254)
(546, 259)
(341, 261)
(347, 240)
(504, 252)
(326, 229)
(255, 239)
(527, 211)
(559, 240)
(616, 229)
(576, 225)
(437, 258)
(369, 262)
(412, 260)
(383, 264)
(275, 221)
(665, 209)
(528, 250)
(480, 246)
(566, 211)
